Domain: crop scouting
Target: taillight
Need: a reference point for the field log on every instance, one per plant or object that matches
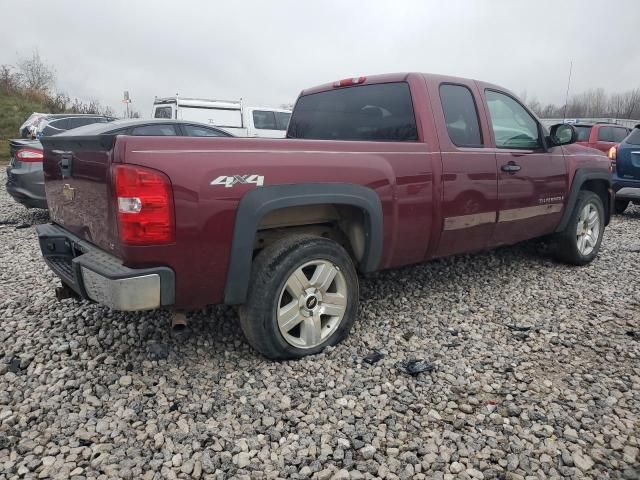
(613, 155)
(349, 81)
(29, 155)
(144, 202)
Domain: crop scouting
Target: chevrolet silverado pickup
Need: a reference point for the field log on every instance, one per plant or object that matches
(376, 172)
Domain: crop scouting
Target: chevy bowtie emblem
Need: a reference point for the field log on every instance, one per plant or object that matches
(68, 192)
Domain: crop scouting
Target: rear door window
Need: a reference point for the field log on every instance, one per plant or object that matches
(460, 115)
(379, 112)
(264, 120)
(154, 130)
(513, 126)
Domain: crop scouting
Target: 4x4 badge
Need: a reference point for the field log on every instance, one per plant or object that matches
(230, 180)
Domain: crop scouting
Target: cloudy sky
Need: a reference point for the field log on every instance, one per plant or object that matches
(267, 51)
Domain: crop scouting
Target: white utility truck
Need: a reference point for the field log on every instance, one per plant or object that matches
(227, 115)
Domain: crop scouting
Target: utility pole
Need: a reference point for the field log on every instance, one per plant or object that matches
(127, 101)
(566, 98)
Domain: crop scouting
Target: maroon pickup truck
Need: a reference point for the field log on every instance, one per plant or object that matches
(375, 172)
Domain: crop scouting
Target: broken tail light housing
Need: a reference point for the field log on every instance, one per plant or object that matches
(144, 205)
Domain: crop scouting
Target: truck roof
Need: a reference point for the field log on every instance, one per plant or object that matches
(394, 77)
(199, 102)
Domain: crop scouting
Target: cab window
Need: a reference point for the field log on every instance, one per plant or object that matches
(460, 115)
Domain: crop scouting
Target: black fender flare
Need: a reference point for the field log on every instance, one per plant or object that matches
(257, 203)
(581, 176)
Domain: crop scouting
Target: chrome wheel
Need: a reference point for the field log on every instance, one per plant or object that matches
(312, 304)
(588, 229)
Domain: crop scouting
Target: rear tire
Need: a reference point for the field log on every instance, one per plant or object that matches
(621, 206)
(303, 297)
(580, 241)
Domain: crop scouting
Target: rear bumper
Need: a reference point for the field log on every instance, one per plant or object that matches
(626, 189)
(95, 275)
(27, 187)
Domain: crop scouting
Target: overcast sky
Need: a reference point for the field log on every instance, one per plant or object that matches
(267, 51)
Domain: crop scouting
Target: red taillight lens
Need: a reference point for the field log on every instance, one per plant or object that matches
(349, 81)
(144, 202)
(29, 155)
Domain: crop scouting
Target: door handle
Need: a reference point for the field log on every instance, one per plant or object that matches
(510, 167)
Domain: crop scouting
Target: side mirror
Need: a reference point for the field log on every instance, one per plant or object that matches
(563, 134)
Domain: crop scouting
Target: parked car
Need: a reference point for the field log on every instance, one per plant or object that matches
(25, 181)
(52, 124)
(376, 172)
(626, 170)
(229, 115)
(601, 136)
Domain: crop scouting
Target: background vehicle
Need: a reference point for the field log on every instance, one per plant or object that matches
(626, 173)
(600, 136)
(377, 172)
(52, 124)
(25, 128)
(231, 116)
(25, 181)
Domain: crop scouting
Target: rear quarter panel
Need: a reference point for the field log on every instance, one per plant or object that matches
(399, 172)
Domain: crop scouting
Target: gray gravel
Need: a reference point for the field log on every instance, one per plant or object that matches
(537, 375)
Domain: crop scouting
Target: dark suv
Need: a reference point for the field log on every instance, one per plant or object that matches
(626, 173)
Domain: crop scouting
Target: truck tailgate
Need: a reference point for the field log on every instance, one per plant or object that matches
(77, 185)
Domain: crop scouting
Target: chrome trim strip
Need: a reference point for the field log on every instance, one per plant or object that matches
(468, 221)
(529, 212)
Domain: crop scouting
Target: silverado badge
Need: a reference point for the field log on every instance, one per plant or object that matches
(68, 192)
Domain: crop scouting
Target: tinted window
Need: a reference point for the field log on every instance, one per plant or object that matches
(264, 120)
(198, 131)
(583, 133)
(282, 120)
(513, 126)
(460, 115)
(619, 133)
(163, 112)
(382, 112)
(605, 134)
(61, 124)
(634, 137)
(82, 121)
(154, 130)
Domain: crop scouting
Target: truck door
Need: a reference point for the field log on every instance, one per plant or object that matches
(532, 179)
(469, 180)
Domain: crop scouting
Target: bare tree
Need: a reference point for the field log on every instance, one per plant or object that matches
(35, 74)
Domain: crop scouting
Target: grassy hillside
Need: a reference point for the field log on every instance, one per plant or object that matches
(14, 109)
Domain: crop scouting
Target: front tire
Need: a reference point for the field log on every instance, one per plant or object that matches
(580, 241)
(303, 297)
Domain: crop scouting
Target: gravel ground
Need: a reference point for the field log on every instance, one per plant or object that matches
(536, 375)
